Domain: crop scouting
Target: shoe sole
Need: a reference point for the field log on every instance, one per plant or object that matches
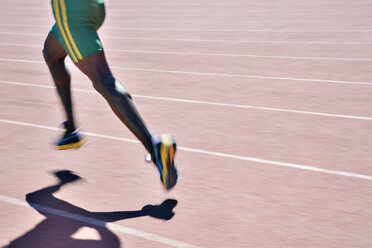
(75, 145)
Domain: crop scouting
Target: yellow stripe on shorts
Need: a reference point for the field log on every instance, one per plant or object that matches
(59, 23)
(64, 19)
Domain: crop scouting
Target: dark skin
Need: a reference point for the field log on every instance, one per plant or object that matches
(96, 68)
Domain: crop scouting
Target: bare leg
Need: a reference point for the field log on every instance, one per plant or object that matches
(120, 101)
(54, 56)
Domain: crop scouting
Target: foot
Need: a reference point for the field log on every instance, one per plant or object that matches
(70, 140)
(163, 157)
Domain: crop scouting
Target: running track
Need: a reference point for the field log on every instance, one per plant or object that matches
(270, 102)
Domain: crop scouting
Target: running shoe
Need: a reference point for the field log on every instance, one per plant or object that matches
(70, 140)
(163, 157)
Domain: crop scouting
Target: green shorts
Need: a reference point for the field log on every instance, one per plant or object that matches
(77, 22)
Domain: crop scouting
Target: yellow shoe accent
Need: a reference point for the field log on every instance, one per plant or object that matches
(75, 145)
(167, 156)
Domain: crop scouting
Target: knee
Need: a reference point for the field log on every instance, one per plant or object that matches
(47, 54)
(49, 57)
(107, 85)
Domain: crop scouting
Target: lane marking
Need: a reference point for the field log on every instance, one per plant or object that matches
(247, 30)
(25, 61)
(218, 30)
(21, 45)
(240, 75)
(208, 103)
(208, 73)
(245, 41)
(211, 153)
(208, 54)
(237, 55)
(219, 40)
(99, 223)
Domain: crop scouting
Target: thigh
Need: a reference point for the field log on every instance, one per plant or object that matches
(53, 51)
(95, 66)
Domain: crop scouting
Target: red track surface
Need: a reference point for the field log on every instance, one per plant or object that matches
(312, 56)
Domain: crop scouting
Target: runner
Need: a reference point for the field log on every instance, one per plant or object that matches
(75, 34)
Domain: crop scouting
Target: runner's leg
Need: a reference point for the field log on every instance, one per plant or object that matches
(96, 68)
(54, 56)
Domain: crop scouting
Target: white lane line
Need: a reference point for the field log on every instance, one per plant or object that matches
(208, 74)
(240, 76)
(246, 30)
(23, 61)
(237, 55)
(112, 226)
(208, 54)
(208, 103)
(21, 45)
(218, 40)
(283, 164)
(218, 30)
(245, 41)
(211, 153)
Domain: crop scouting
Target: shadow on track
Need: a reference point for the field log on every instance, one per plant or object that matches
(64, 219)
